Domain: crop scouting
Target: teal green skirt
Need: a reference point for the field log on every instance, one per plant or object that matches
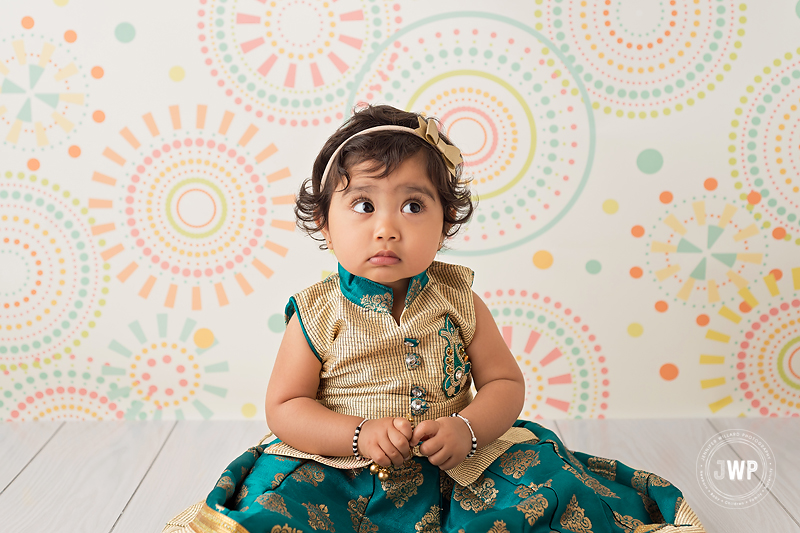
(537, 486)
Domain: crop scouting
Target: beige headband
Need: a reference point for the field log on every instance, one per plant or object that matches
(427, 131)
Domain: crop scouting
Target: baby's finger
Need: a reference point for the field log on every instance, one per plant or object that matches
(439, 458)
(394, 455)
(403, 426)
(425, 430)
(431, 447)
(400, 442)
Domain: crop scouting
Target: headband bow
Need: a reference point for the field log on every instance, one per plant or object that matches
(428, 131)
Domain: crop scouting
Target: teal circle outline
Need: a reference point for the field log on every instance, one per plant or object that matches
(358, 79)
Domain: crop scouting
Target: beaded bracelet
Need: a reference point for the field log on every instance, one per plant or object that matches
(355, 440)
(474, 440)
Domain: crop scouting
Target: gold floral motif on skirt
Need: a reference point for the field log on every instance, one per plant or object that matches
(403, 482)
(276, 482)
(678, 504)
(639, 481)
(241, 495)
(658, 481)
(318, 517)
(273, 502)
(285, 529)
(311, 472)
(629, 523)
(604, 467)
(652, 508)
(526, 492)
(533, 508)
(649, 528)
(575, 519)
(431, 522)
(446, 484)
(591, 482)
(477, 496)
(498, 527)
(226, 482)
(358, 508)
(517, 463)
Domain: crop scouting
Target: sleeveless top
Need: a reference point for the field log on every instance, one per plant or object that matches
(373, 367)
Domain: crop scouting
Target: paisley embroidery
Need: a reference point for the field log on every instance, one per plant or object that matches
(226, 483)
(430, 522)
(455, 363)
(403, 483)
(318, 517)
(382, 303)
(604, 467)
(311, 472)
(591, 482)
(413, 291)
(273, 502)
(477, 496)
(358, 508)
(533, 508)
(575, 519)
(517, 463)
(658, 481)
(498, 527)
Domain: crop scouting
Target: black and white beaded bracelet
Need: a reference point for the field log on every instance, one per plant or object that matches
(474, 440)
(355, 440)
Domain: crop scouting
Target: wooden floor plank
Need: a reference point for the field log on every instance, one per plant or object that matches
(19, 443)
(186, 470)
(83, 477)
(782, 436)
(669, 448)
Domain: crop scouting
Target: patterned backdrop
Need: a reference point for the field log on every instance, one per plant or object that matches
(637, 237)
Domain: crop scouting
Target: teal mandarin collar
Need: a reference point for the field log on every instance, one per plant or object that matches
(371, 295)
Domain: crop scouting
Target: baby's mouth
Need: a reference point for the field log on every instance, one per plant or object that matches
(383, 258)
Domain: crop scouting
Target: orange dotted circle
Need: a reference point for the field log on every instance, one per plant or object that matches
(710, 184)
(779, 233)
(98, 116)
(776, 273)
(665, 197)
(662, 306)
(637, 231)
(27, 22)
(97, 72)
(668, 371)
(74, 151)
(636, 272)
(744, 307)
(33, 164)
(753, 198)
(70, 36)
(703, 320)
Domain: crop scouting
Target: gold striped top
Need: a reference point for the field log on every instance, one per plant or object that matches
(373, 367)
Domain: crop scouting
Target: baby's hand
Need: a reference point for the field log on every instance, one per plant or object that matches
(447, 441)
(385, 440)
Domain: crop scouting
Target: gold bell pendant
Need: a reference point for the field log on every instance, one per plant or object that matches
(383, 473)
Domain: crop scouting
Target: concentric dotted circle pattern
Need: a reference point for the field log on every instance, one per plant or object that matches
(564, 367)
(53, 280)
(764, 145)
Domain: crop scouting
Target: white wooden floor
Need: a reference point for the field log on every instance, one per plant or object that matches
(87, 477)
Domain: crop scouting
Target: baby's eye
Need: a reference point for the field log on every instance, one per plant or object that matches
(412, 207)
(364, 206)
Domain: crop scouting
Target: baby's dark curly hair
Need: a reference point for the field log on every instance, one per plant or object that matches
(387, 149)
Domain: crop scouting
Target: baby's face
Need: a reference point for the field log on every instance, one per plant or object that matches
(386, 229)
